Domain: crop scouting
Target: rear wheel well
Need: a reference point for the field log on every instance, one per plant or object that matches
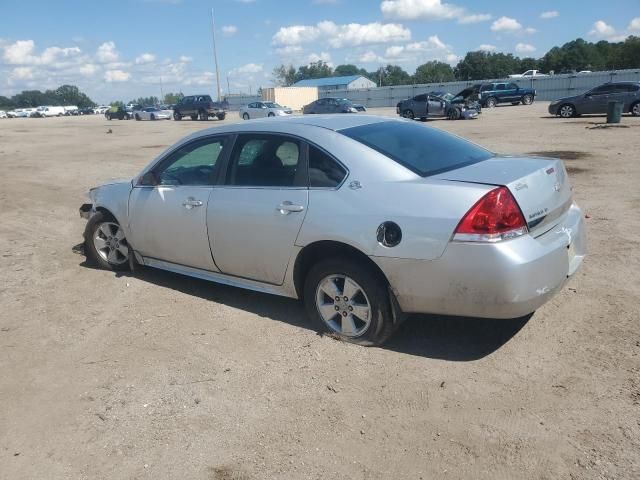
(315, 252)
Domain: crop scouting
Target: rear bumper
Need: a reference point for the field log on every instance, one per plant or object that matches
(502, 280)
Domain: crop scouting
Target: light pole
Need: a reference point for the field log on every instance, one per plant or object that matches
(215, 53)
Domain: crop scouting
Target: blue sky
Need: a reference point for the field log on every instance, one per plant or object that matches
(121, 49)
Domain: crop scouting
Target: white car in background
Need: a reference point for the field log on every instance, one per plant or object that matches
(3, 114)
(49, 111)
(263, 109)
(529, 73)
(25, 112)
(100, 109)
(152, 113)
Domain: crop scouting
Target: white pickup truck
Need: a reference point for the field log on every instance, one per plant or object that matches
(529, 73)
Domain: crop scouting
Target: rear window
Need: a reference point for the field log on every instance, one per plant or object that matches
(424, 150)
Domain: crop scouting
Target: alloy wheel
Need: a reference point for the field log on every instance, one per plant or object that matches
(636, 110)
(566, 111)
(343, 305)
(110, 243)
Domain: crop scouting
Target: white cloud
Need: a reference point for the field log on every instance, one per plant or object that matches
(549, 14)
(116, 76)
(22, 52)
(316, 57)
(185, 59)
(22, 73)
(431, 49)
(525, 48)
(289, 50)
(506, 24)
(429, 10)
(145, 58)
(475, 18)
(634, 25)
(602, 29)
(530, 30)
(324, 2)
(370, 57)
(88, 69)
(229, 30)
(339, 36)
(485, 47)
(107, 53)
(248, 68)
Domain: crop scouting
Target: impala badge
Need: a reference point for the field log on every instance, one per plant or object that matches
(556, 187)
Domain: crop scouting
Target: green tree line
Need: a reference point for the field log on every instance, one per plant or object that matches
(574, 56)
(63, 95)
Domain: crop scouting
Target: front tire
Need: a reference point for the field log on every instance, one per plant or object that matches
(567, 111)
(245, 116)
(408, 114)
(271, 114)
(349, 300)
(176, 116)
(105, 244)
(137, 117)
(221, 116)
(153, 117)
(454, 114)
(635, 109)
(527, 99)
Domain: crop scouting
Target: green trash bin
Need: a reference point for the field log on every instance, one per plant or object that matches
(614, 112)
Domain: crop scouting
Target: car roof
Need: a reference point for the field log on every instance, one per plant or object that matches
(335, 122)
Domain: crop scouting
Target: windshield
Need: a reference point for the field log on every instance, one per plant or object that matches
(424, 150)
(272, 105)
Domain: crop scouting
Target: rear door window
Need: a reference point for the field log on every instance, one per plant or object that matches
(262, 160)
(423, 150)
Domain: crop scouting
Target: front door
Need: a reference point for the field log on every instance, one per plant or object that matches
(596, 100)
(255, 217)
(168, 207)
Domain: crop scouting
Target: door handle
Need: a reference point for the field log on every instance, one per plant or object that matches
(287, 207)
(191, 202)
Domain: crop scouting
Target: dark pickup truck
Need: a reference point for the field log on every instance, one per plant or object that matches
(494, 93)
(199, 107)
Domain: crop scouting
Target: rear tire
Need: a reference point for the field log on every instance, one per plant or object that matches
(105, 244)
(137, 117)
(491, 102)
(635, 109)
(245, 116)
(365, 318)
(271, 114)
(527, 99)
(153, 117)
(176, 116)
(221, 116)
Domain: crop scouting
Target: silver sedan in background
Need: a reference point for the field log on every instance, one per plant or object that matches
(364, 218)
(263, 109)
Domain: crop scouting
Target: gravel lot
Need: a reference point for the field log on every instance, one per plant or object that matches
(154, 375)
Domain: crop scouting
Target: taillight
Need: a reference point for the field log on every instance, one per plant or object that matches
(493, 218)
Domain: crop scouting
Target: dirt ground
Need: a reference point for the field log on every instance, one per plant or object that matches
(157, 376)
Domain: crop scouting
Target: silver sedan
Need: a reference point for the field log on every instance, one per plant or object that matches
(263, 109)
(364, 218)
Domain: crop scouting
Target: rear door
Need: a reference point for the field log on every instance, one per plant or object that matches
(501, 92)
(168, 215)
(255, 217)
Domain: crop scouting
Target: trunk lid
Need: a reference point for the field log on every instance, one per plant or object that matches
(539, 185)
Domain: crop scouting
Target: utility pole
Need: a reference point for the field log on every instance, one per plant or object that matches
(215, 53)
(161, 91)
(228, 87)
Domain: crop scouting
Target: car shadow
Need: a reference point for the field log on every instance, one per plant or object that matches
(459, 339)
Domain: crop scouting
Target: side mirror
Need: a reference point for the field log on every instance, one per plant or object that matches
(149, 179)
(587, 95)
